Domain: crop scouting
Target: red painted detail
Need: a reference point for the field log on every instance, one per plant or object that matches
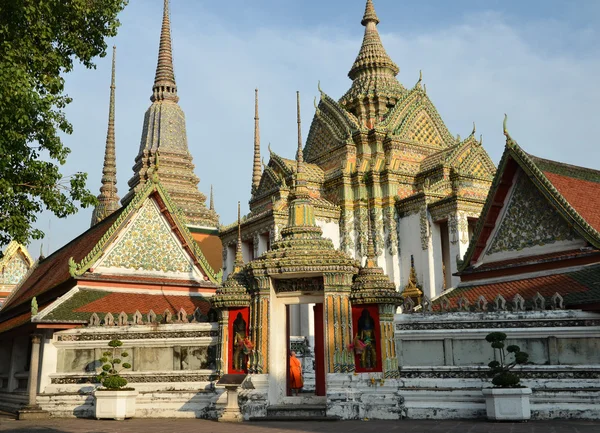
(493, 213)
(357, 312)
(319, 350)
(233, 314)
(288, 389)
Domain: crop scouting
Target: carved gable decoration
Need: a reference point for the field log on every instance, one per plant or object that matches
(529, 221)
(148, 244)
(303, 285)
(476, 162)
(14, 271)
(423, 130)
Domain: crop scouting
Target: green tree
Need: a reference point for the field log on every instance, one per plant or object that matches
(39, 42)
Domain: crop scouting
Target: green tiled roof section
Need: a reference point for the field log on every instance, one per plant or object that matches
(581, 173)
(66, 311)
(589, 277)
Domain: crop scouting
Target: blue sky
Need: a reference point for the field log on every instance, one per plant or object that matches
(538, 61)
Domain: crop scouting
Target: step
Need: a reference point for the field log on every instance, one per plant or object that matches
(297, 411)
(295, 418)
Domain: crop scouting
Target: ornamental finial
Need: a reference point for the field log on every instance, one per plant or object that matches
(300, 156)
(256, 171)
(370, 14)
(212, 200)
(418, 85)
(474, 130)
(165, 87)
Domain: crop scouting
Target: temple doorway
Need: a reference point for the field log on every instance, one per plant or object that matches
(305, 361)
(296, 322)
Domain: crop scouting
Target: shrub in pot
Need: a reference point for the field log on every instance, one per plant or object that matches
(508, 400)
(113, 399)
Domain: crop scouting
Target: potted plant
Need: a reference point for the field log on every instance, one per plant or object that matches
(113, 399)
(508, 399)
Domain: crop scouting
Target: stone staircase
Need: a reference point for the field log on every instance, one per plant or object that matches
(300, 408)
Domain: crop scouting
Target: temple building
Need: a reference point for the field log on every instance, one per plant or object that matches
(364, 253)
(382, 150)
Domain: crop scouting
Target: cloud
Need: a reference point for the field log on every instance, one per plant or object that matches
(475, 70)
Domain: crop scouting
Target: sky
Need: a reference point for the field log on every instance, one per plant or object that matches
(536, 60)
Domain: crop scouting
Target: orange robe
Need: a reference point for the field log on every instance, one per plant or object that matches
(295, 373)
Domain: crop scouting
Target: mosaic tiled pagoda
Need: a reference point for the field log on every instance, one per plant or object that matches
(164, 141)
(383, 149)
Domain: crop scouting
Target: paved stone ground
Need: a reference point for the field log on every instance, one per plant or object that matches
(7, 424)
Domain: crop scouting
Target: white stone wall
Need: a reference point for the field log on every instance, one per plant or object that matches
(443, 361)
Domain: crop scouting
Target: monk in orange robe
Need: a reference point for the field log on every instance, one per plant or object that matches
(296, 382)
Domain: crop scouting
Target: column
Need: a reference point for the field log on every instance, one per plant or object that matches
(458, 230)
(32, 386)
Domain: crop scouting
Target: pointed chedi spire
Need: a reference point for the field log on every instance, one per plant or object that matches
(212, 199)
(164, 81)
(234, 292)
(239, 258)
(164, 131)
(301, 218)
(256, 169)
(108, 200)
(374, 85)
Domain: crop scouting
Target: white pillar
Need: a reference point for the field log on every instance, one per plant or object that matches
(32, 385)
(49, 360)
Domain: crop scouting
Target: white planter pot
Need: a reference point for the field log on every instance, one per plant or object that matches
(115, 404)
(507, 404)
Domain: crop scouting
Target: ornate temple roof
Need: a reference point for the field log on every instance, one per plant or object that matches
(373, 73)
(75, 259)
(577, 287)
(108, 200)
(302, 248)
(573, 192)
(233, 292)
(164, 138)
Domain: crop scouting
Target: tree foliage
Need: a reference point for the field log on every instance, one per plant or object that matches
(500, 370)
(39, 42)
(112, 366)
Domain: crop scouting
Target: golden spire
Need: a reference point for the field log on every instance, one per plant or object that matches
(372, 55)
(108, 200)
(300, 156)
(239, 258)
(256, 171)
(212, 200)
(164, 81)
(370, 14)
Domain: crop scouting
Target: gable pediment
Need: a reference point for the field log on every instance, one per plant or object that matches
(529, 225)
(148, 244)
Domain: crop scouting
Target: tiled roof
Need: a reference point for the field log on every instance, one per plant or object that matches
(313, 171)
(16, 321)
(54, 269)
(85, 302)
(577, 287)
(145, 279)
(541, 258)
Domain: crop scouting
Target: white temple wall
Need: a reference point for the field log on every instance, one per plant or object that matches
(409, 230)
(172, 368)
(331, 230)
(443, 361)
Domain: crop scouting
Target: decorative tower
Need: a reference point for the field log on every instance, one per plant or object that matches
(374, 297)
(164, 133)
(256, 170)
(108, 200)
(374, 85)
